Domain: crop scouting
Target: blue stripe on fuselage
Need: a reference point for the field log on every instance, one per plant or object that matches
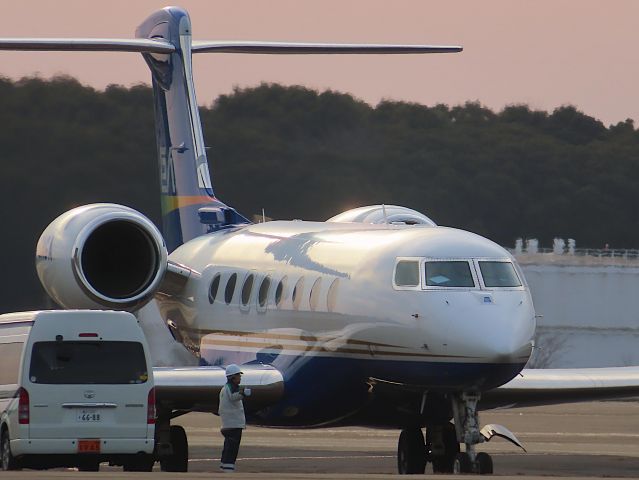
(326, 389)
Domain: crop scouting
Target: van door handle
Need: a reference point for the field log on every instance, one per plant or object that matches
(90, 405)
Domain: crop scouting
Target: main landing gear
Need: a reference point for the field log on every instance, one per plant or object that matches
(441, 446)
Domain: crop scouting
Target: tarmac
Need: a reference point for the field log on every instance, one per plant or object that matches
(586, 440)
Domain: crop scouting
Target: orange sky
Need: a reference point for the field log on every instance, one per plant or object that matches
(545, 53)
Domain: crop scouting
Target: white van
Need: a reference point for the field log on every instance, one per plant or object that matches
(76, 389)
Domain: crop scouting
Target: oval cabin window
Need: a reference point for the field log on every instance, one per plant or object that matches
(215, 285)
(331, 298)
(262, 295)
(247, 288)
(230, 288)
(297, 293)
(279, 292)
(313, 298)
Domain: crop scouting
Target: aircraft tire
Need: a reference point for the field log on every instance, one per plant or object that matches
(485, 463)
(179, 460)
(7, 460)
(411, 452)
(444, 463)
(462, 464)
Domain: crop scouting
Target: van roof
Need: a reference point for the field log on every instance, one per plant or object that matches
(35, 316)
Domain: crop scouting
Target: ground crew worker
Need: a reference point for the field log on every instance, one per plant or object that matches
(232, 415)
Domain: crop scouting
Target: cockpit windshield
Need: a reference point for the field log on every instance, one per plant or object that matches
(448, 274)
(499, 274)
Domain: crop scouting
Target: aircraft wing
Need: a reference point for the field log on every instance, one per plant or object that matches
(564, 385)
(287, 48)
(141, 45)
(198, 388)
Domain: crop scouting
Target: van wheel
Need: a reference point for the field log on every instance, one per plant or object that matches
(141, 463)
(89, 466)
(8, 461)
(179, 460)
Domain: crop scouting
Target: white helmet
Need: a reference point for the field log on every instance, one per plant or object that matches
(232, 369)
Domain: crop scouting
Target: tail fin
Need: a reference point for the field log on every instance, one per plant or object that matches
(189, 206)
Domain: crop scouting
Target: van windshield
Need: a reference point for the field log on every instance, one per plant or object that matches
(103, 362)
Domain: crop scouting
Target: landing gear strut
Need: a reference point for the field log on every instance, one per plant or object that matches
(468, 432)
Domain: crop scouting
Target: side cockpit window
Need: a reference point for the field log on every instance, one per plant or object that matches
(499, 274)
(448, 274)
(407, 273)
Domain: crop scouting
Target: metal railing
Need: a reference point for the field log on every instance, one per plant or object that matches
(626, 253)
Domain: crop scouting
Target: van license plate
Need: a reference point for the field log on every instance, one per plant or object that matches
(89, 446)
(89, 416)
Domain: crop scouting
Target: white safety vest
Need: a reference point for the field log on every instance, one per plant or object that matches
(231, 408)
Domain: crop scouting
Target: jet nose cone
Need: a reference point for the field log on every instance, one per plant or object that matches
(500, 332)
(509, 350)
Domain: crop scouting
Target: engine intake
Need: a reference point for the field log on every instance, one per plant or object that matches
(101, 256)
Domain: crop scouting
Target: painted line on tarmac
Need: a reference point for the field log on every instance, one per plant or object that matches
(332, 457)
(582, 434)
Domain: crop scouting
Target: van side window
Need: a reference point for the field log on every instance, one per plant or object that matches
(407, 273)
(230, 288)
(10, 354)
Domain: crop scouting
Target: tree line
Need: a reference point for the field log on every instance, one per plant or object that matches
(299, 153)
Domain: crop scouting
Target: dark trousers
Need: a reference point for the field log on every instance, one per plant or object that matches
(232, 439)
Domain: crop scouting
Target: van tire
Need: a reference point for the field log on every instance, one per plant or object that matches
(179, 460)
(88, 465)
(141, 463)
(7, 460)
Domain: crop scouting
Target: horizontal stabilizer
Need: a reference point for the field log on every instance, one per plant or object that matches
(285, 48)
(141, 45)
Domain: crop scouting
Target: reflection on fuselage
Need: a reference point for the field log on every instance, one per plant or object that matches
(336, 312)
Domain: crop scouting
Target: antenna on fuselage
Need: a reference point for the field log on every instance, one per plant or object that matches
(385, 216)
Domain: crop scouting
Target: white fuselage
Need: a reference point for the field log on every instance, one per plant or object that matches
(331, 292)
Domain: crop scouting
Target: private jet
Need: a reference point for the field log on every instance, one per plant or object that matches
(376, 317)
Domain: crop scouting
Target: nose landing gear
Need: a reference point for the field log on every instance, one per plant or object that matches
(468, 432)
(441, 447)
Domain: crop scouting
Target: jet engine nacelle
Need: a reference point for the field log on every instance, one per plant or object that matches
(383, 214)
(101, 256)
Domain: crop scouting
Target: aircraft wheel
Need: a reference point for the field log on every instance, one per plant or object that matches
(485, 463)
(179, 460)
(7, 460)
(411, 452)
(444, 463)
(462, 464)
